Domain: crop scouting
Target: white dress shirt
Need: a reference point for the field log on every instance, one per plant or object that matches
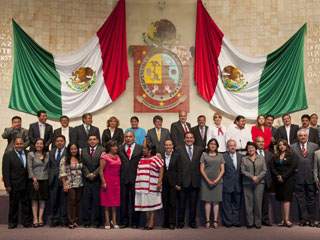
(213, 133)
(288, 132)
(241, 136)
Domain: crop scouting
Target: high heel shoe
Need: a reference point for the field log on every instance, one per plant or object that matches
(282, 223)
(215, 224)
(207, 226)
(71, 226)
(288, 224)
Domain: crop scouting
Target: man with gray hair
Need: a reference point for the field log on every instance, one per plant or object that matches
(232, 186)
(305, 189)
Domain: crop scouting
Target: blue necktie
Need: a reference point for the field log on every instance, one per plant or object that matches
(234, 160)
(21, 158)
(190, 152)
(58, 156)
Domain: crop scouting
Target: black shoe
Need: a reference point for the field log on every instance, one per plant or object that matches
(172, 226)
(149, 228)
(86, 225)
(180, 225)
(29, 225)
(96, 226)
(250, 226)
(193, 225)
(311, 224)
(134, 227)
(302, 224)
(258, 227)
(54, 224)
(228, 226)
(12, 226)
(267, 223)
(236, 225)
(165, 225)
(123, 226)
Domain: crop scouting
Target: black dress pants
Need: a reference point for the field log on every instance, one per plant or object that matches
(14, 198)
(192, 194)
(169, 198)
(127, 193)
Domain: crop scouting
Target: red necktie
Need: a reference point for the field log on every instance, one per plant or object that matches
(303, 150)
(185, 128)
(220, 132)
(92, 152)
(129, 151)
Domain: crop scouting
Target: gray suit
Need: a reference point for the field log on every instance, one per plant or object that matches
(253, 193)
(36, 167)
(305, 189)
(152, 138)
(10, 134)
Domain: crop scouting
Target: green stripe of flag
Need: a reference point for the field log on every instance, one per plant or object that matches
(282, 88)
(35, 84)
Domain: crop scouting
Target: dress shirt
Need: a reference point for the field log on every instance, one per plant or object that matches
(234, 159)
(167, 159)
(185, 125)
(56, 154)
(85, 128)
(213, 133)
(132, 148)
(288, 132)
(111, 132)
(158, 129)
(23, 157)
(187, 148)
(41, 125)
(305, 146)
(241, 136)
(260, 152)
(65, 133)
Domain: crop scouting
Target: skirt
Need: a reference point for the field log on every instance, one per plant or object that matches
(147, 201)
(42, 194)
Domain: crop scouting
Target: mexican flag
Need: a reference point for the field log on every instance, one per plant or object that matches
(84, 81)
(239, 84)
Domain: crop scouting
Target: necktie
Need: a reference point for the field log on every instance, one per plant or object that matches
(220, 132)
(260, 152)
(92, 152)
(190, 152)
(202, 132)
(159, 134)
(129, 151)
(303, 150)
(58, 156)
(21, 158)
(87, 129)
(234, 160)
(63, 131)
(185, 128)
(42, 131)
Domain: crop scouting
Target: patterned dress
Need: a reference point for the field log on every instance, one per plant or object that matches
(148, 196)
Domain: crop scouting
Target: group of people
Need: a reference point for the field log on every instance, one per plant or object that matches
(141, 171)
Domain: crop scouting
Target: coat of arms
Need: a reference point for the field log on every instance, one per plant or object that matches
(82, 80)
(233, 79)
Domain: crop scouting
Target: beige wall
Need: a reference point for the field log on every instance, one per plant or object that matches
(62, 26)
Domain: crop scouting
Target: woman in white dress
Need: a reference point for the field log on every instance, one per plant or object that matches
(218, 131)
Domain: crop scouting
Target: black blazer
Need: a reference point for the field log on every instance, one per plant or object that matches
(91, 165)
(57, 132)
(152, 138)
(13, 172)
(232, 181)
(177, 133)
(282, 133)
(117, 136)
(53, 166)
(198, 139)
(274, 132)
(34, 133)
(170, 174)
(128, 170)
(268, 178)
(81, 137)
(286, 170)
(188, 171)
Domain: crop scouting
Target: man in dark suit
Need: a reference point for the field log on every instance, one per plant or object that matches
(232, 186)
(15, 131)
(288, 129)
(179, 129)
(15, 176)
(82, 131)
(313, 135)
(41, 129)
(169, 184)
(130, 154)
(90, 157)
(274, 132)
(267, 181)
(188, 178)
(305, 188)
(57, 195)
(200, 132)
(64, 130)
(158, 135)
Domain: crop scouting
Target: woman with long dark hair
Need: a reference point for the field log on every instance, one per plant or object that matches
(71, 177)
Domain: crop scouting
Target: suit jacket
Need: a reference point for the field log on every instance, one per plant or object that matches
(117, 136)
(13, 172)
(34, 133)
(81, 137)
(128, 170)
(91, 165)
(313, 135)
(232, 179)
(36, 167)
(57, 132)
(305, 165)
(268, 178)
(152, 138)
(177, 133)
(188, 170)
(53, 165)
(316, 168)
(197, 135)
(274, 133)
(10, 134)
(282, 133)
(170, 174)
(250, 169)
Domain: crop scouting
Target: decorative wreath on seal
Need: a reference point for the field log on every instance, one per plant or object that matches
(83, 79)
(233, 79)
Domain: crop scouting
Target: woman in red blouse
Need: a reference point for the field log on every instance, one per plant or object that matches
(261, 129)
